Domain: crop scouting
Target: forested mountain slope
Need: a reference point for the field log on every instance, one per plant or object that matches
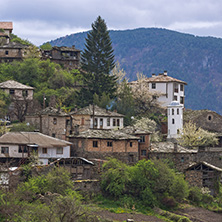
(196, 60)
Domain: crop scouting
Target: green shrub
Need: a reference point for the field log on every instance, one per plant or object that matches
(195, 195)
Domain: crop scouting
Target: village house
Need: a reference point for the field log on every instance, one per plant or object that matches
(100, 144)
(143, 140)
(68, 57)
(20, 145)
(17, 90)
(52, 122)
(5, 31)
(170, 89)
(203, 174)
(94, 117)
(21, 99)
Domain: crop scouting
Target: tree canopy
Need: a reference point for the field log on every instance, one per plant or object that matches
(97, 61)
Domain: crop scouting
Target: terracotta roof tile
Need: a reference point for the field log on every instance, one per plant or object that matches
(6, 25)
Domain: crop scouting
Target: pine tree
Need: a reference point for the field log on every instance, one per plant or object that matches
(97, 61)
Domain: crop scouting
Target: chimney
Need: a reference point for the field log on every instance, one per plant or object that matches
(175, 147)
(153, 74)
(165, 73)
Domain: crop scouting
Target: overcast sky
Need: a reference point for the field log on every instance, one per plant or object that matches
(44, 20)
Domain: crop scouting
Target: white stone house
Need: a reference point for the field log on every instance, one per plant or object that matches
(22, 144)
(175, 119)
(171, 89)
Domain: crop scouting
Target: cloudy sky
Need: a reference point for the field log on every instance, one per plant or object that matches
(44, 20)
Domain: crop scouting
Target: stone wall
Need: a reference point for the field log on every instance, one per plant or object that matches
(195, 178)
(183, 160)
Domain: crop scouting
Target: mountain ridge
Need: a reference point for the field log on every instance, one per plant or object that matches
(191, 58)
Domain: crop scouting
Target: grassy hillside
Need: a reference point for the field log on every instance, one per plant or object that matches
(193, 59)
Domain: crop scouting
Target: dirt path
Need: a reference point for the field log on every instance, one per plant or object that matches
(197, 214)
(124, 216)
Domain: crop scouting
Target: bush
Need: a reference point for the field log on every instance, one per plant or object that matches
(195, 195)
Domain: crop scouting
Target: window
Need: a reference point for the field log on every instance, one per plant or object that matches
(95, 143)
(68, 122)
(176, 88)
(114, 122)
(175, 98)
(181, 87)
(182, 100)
(142, 139)
(95, 122)
(59, 150)
(4, 149)
(53, 135)
(172, 111)
(82, 121)
(22, 149)
(131, 144)
(44, 150)
(117, 122)
(209, 117)
(54, 121)
(143, 152)
(25, 93)
(6, 52)
(178, 111)
(11, 91)
(101, 122)
(108, 122)
(109, 143)
(173, 121)
(153, 85)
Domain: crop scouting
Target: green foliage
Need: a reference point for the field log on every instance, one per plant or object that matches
(47, 78)
(4, 103)
(46, 46)
(22, 127)
(15, 38)
(40, 199)
(102, 101)
(98, 60)
(147, 182)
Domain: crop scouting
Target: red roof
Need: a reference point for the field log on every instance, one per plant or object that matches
(6, 25)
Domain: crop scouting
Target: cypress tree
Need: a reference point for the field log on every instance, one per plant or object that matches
(97, 61)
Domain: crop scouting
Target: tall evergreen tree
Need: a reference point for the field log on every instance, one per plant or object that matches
(98, 60)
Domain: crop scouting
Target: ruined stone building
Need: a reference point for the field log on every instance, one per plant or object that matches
(203, 174)
(5, 31)
(67, 57)
(51, 121)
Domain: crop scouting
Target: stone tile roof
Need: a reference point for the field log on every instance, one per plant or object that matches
(206, 164)
(32, 138)
(105, 134)
(189, 115)
(159, 79)
(64, 48)
(51, 111)
(6, 25)
(168, 147)
(13, 45)
(134, 131)
(11, 84)
(97, 112)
